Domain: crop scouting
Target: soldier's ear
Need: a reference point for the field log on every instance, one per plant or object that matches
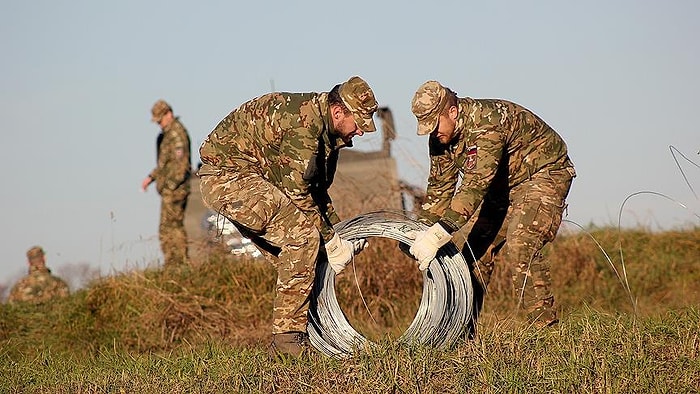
(336, 111)
(453, 112)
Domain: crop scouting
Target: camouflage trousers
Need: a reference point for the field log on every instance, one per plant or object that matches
(285, 236)
(171, 232)
(515, 227)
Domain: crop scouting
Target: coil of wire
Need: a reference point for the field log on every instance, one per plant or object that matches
(445, 309)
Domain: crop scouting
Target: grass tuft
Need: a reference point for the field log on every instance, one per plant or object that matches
(204, 328)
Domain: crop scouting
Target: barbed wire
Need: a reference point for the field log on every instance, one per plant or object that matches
(446, 306)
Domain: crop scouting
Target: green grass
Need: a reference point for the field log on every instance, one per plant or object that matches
(204, 329)
(588, 352)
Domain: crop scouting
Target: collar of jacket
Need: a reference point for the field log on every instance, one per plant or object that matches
(39, 269)
(463, 106)
(330, 138)
(171, 125)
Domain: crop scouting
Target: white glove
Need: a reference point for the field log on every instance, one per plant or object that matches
(427, 244)
(339, 252)
(358, 245)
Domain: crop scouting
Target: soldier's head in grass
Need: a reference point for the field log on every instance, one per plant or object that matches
(352, 105)
(435, 108)
(36, 257)
(36, 260)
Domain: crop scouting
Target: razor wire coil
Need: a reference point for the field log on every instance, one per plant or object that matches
(445, 310)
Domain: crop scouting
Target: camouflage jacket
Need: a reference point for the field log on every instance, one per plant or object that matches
(39, 286)
(173, 170)
(287, 139)
(491, 137)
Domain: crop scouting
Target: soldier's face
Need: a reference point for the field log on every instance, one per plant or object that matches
(165, 120)
(445, 130)
(345, 126)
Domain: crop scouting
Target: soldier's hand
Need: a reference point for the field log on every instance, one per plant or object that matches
(427, 243)
(339, 252)
(146, 181)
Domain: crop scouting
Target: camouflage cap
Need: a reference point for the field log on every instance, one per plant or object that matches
(359, 99)
(35, 252)
(160, 108)
(427, 103)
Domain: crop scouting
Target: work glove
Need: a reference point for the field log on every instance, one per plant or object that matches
(358, 245)
(427, 243)
(339, 252)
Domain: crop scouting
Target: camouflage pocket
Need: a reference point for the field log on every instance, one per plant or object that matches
(542, 219)
(246, 200)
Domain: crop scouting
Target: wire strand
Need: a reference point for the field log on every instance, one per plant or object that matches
(447, 300)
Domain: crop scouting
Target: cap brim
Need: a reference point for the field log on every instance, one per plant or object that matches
(427, 126)
(365, 124)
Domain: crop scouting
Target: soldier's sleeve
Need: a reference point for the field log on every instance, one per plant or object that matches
(59, 288)
(331, 214)
(21, 291)
(178, 156)
(298, 148)
(442, 183)
(324, 202)
(14, 294)
(480, 171)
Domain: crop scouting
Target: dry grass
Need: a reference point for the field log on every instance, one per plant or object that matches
(229, 298)
(205, 327)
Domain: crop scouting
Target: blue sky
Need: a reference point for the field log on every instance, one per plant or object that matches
(617, 79)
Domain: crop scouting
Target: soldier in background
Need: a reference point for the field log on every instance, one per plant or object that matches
(172, 177)
(39, 285)
(267, 167)
(515, 168)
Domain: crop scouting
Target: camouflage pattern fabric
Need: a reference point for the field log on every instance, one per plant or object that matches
(490, 133)
(172, 176)
(515, 234)
(267, 167)
(285, 138)
(171, 230)
(285, 236)
(516, 168)
(37, 287)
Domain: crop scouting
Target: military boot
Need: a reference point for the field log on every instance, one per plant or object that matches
(293, 343)
(544, 315)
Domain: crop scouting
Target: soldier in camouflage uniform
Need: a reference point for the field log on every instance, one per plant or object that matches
(40, 285)
(514, 167)
(267, 167)
(172, 177)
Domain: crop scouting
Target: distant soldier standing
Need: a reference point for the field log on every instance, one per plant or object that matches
(514, 163)
(39, 285)
(172, 177)
(267, 167)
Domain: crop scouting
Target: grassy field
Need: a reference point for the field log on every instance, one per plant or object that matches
(204, 328)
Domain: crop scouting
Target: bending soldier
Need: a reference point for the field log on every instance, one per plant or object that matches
(267, 167)
(515, 168)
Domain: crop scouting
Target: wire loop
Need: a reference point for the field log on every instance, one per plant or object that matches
(445, 310)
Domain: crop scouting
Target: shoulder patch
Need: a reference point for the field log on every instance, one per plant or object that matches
(470, 163)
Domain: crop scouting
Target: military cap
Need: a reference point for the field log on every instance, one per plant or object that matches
(428, 102)
(160, 108)
(35, 252)
(359, 99)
